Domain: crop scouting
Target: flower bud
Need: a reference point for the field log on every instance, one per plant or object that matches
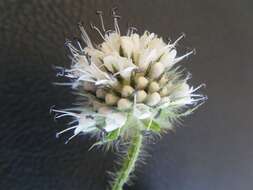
(124, 103)
(126, 91)
(153, 87)
(111, 99)
(100, 93)
(140, 96)
(156, 70)
(153, 99)
(141, 82)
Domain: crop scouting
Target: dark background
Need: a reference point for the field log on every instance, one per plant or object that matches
(213, 149)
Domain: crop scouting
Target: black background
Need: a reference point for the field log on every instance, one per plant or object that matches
(213, 149)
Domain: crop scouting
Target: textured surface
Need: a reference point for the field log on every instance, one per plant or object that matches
(212, 152)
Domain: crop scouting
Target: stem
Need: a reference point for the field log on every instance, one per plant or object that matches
(128, 162)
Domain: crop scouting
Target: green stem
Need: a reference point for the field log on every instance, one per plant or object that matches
(128, 162)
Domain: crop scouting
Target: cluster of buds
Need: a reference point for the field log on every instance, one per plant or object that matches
(129, 82)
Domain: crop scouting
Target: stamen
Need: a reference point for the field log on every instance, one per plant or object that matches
(107, 33)
(63, 83)
(184, 56)
(78, 43)
(198, 87)
(131, 30)
(73, 50)
(84, 35)
(60, 71)
(189, 76)
(72, 122)
(96, 28)
(169, 40)
(65, 130)
(115, 20)
(180, 37)
(204, 98)
(64, 112)
(100, 14)
(196, 95)
(70, 138)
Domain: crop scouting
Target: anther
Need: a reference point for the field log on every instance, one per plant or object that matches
(183, 34)
(96, 28)
(179, 38)
(131, 30)
(60, 71)
(189, 76)
(100, 14)
(203, 85)
(194, 51)
(67, 42)
(80, 24)
(115, 18)
(51, 109)
(114, 9)
(76, 39)
(169, 39)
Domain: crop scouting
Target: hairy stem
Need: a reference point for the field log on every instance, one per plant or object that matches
(128, 162)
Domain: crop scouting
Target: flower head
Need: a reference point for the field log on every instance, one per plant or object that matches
(130, 82)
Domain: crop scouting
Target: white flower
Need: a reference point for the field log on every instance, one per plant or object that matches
(126, 75)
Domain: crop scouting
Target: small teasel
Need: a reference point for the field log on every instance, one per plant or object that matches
(132, 86)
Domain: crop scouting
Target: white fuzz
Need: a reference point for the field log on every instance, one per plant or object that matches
(124, 78)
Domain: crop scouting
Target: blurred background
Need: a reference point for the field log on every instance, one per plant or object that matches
(212, 150)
